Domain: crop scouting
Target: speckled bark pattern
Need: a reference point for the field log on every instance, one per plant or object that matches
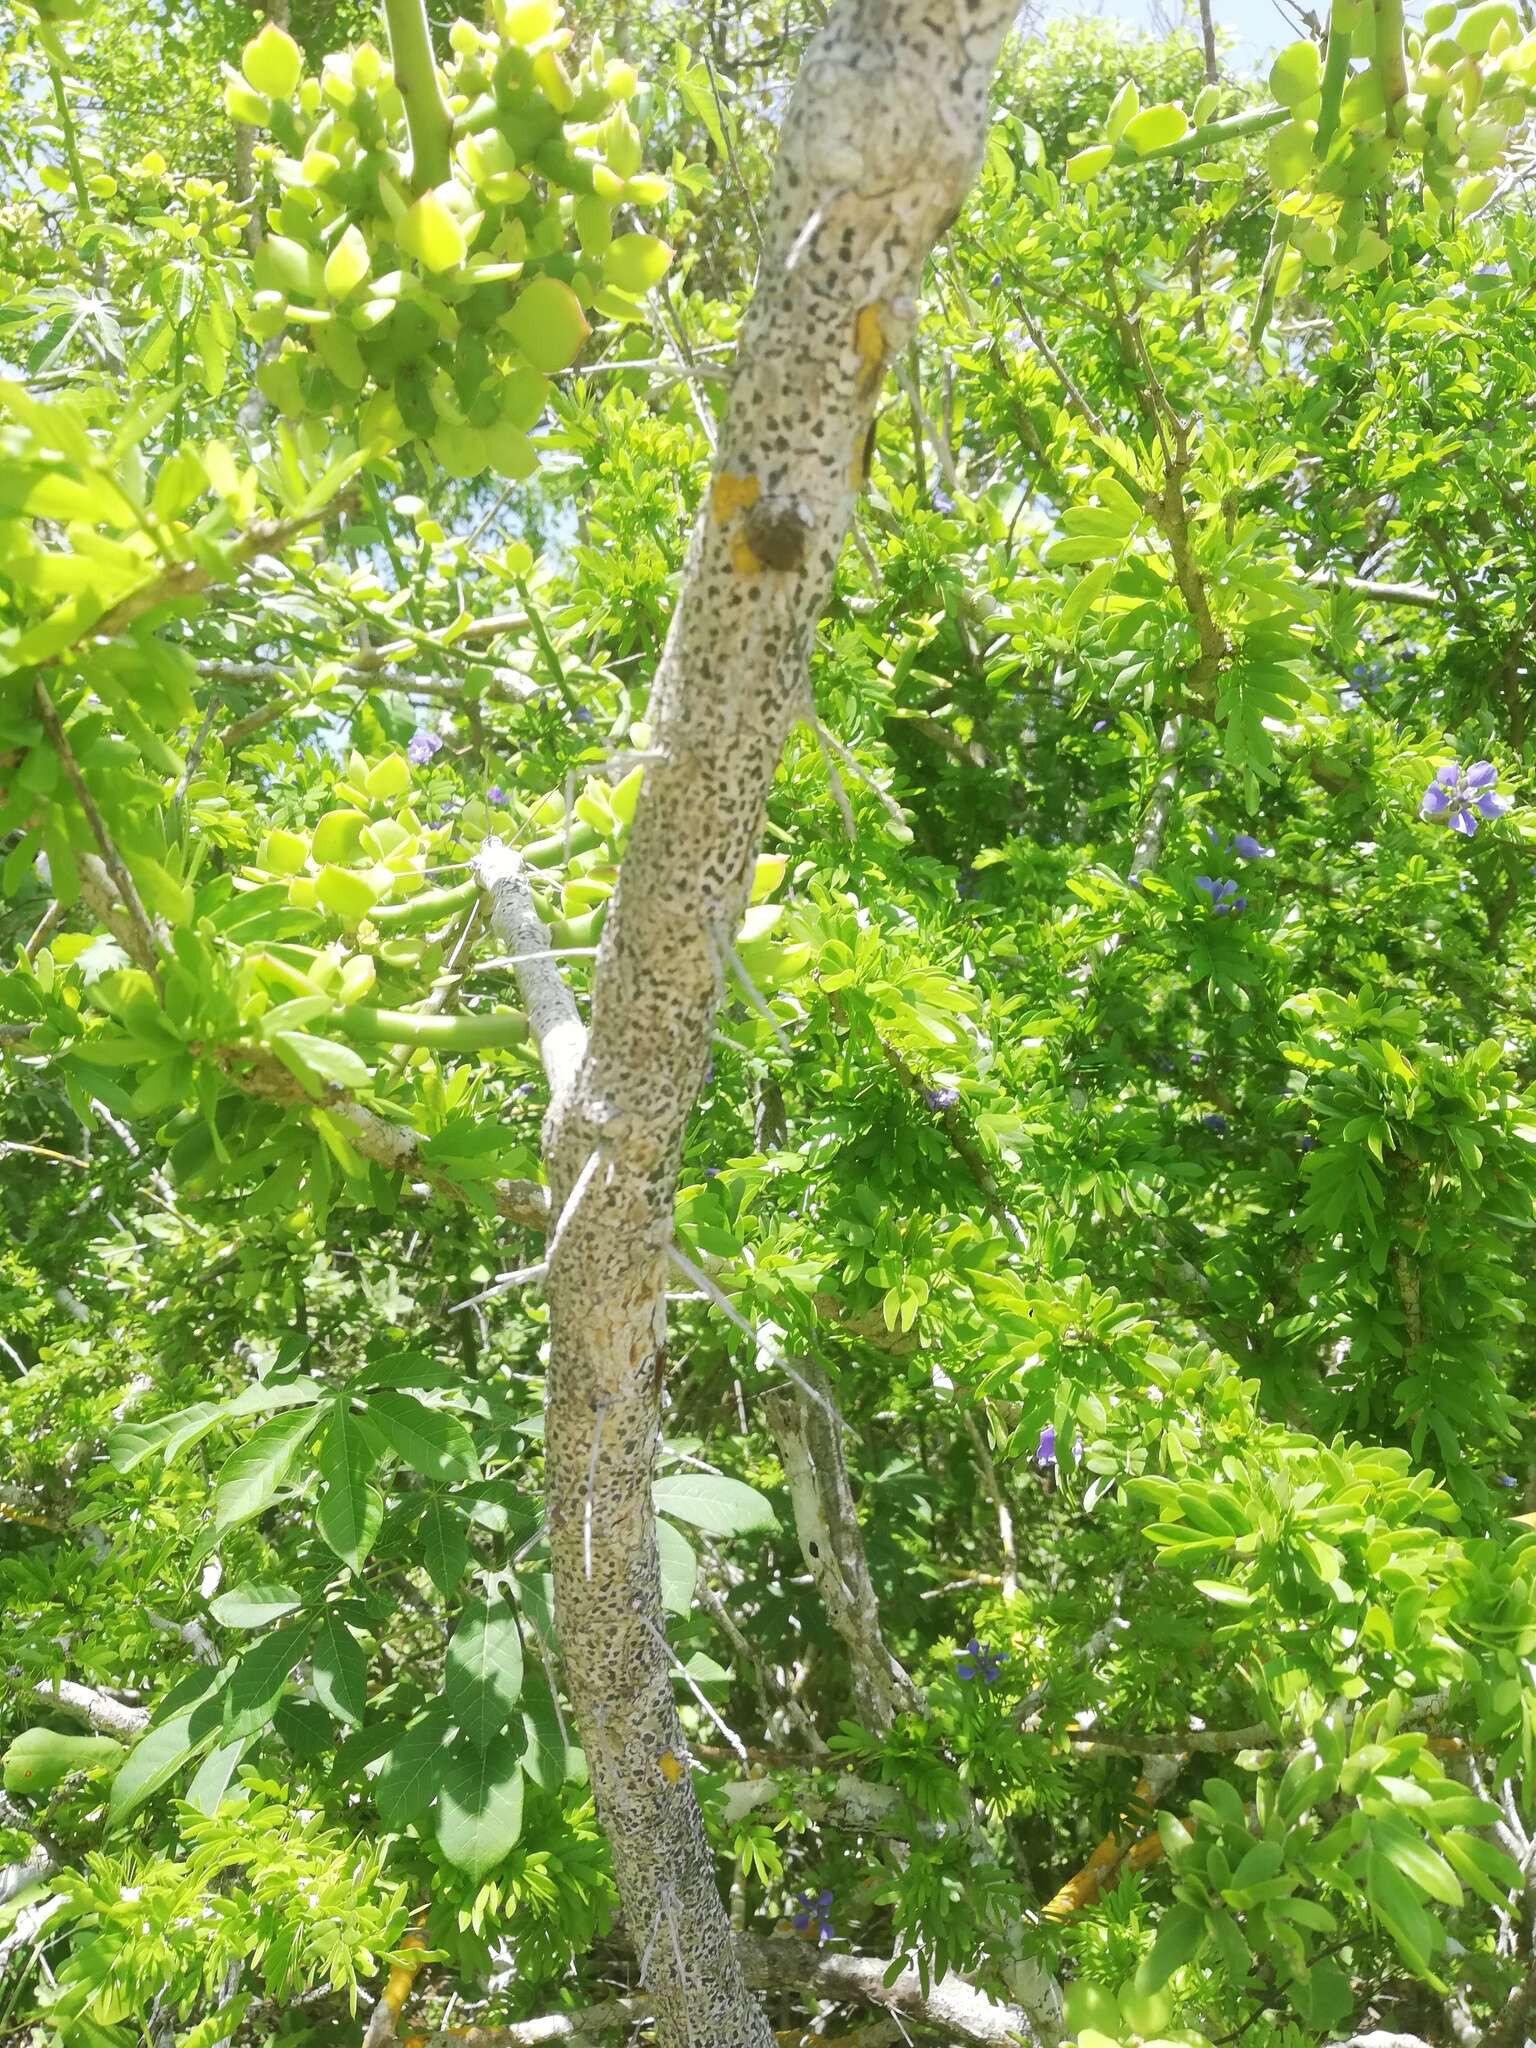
(880, 144)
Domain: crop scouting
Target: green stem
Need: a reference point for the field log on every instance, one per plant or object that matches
(1389, 63)
(430, 907)
(557, 668)
(71, 140)
(1211, 136)
(426, 111)
(1279, 242)
(457, 1033)
(1341, 38)
(381, 520)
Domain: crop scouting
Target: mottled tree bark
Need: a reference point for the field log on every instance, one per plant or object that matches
(880, 144)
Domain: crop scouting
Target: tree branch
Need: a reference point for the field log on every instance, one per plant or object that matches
(809, 1430)
(877, 150)
(148, 950)
(426, 111)
(82, 1703)
(553, 1018)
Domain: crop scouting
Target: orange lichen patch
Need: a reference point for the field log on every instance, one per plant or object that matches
(869, 341)
(731, 494)
(743, 556)
(1113, 1856)
(397, 1986)
(671, 1767)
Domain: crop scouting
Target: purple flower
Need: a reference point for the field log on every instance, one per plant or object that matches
(1223, 895)
(581, 715)
(941, 501)
(1099, 724)
(1246, 847)
(1045, 1450)
(1308, 1142)
(1459, 796)
(424, 744)
(1506, 1479)
(495, 794)
(1214, 1121)
(979, 1662)
(941, 1098)
(815, 1912)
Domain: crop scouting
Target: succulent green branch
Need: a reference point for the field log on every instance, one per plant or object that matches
(1341, 39)
(1211, 136)
(426, 111)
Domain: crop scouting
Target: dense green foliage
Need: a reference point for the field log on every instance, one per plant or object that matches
(1124, 1091)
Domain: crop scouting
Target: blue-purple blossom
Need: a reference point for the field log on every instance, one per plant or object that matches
(1308, 1142)
(977, 1661)
(580, 715)
(495, 794)
(1506, 1479)
(941, 1098)
(1459, 796)
(424, 744)
(814, 1914)
(1243, 844)
(1045, 1450)
(1099, 724)
(1215, 1121)
(1223, 895)
(941, 501)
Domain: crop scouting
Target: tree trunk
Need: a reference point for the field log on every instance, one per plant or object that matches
(880, 144)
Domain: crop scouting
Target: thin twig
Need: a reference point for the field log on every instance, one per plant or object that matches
(115, 865)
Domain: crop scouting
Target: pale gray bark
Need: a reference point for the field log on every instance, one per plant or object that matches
(880, 143)
(106, 1716)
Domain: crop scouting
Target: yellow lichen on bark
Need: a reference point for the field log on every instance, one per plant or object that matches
(869, 341)
(732, 494)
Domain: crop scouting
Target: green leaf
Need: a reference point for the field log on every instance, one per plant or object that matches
(429, 1440)
(1418, 1862)
(483, 1671)
(250, 1478)
(480, 1807)
(210, 1781)
(1396, 1905)
(413, 1770)
(1180, 1937)
(40, 1758)
(154, 1759)
(255, 1603)
(323, 1060)
(339, 1668)
(444, 1545)
(350, 1511)
(544, 1753)
(679, 1568)
(719, 1506)
(259, 1678)
(1155, 128)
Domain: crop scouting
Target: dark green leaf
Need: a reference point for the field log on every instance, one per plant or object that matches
(480, 1810)
(483, 1672)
